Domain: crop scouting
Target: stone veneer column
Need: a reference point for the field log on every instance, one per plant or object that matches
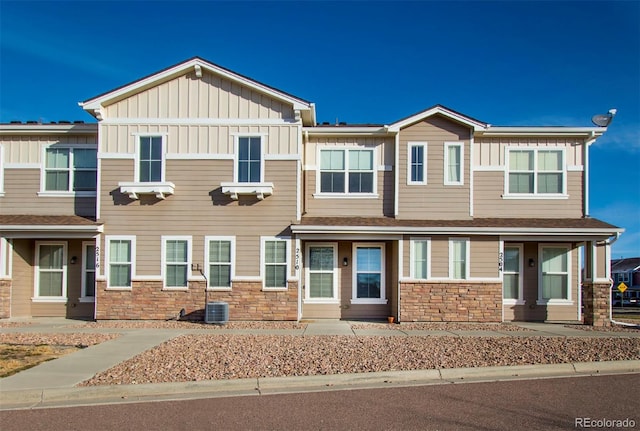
(5, 299)
(596, 298)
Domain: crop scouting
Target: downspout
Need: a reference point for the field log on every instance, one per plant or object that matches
(585, 189)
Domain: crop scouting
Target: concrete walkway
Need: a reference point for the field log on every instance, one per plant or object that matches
(53, 383)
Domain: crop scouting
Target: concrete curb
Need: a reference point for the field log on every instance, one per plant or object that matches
(69, 397)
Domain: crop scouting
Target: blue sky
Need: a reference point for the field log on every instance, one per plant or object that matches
(506, 63)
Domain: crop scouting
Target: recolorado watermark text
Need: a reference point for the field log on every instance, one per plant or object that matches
(604, 423)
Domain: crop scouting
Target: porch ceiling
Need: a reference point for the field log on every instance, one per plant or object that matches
(497, 226)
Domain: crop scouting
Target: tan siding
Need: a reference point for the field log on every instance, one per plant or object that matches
(491, 151)
(209, 97)
(434, 200)
(22, 290)
(439, 257)
(21, 188)
(22, 149)
(488, 201)
(198, 139)
(484, 257)
(198, 208)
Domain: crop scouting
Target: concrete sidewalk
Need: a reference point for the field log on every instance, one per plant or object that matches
(53, 383)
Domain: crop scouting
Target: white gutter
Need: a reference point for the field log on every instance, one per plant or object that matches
(450, 230)
(610, 242)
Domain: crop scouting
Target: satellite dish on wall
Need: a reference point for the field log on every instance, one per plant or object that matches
(603, 120)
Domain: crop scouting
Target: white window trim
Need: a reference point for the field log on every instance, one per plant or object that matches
(307, 277)
(520, 299)
(410, 146)
(107, 257)
(207, 262)
(354, 279)
(412, 253)
(467, 258)
(83, 283)
(568, 300)
(136, 170)
(347, 194)
(263, 241)
(36, 296)
(189, 241)
(535, 194)
(236, 155)
(43, 173)
(6, 258)
(447, 181)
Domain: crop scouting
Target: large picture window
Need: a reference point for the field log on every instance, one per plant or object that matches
(536, 171)
(347, 171)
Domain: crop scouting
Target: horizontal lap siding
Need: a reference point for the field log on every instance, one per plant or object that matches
(23, 281)
(198, 208)
(21, 188)
(433, 200)
(488, 200)
(208, 97)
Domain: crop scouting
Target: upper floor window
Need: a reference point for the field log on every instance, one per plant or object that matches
(347, 171)
(453, 163)
(150, 159)
(70, 170)
(249, 159)
(417, 159)
(536, 171)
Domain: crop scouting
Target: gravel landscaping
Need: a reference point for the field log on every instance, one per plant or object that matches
(205, 357)
(442, 326)
(38, 339)
(173, 324)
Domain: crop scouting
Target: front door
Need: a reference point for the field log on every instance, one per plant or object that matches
(321, 297)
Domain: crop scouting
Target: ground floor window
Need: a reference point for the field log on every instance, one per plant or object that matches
(420, 256)
(321, 272)
(51, 270)
(177, 261)
(120, 253)
(88, 270)
(220, 253)
(459, 258)
(554, 274)
(512, 274)
(275, 263)
(368, 274)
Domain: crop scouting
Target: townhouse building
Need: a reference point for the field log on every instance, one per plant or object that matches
(199, 184)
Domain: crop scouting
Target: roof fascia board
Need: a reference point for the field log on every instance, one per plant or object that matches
(52, 228)
(542, 131)
(475, 125)
(48, 129)
(179, 69)
(338, 131)
(455, 230)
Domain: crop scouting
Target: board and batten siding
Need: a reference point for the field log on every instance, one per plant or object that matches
(28, 149)
(434, 200)
(199, 139)
(491, 151)
(198, 209)
(211, 96)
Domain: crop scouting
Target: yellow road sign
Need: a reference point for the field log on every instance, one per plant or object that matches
(622, 287)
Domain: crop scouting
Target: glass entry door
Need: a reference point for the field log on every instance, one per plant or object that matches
(321, 269)
(51, 273)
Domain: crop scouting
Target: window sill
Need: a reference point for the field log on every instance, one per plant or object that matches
(554, 302)
(119, 288)
(218, 289)
(87, 299)
(346, 195)
(175, 289)
(534, 196)
(63, 194)
(159, 189)
(260, 190)
(369, 301)
(275, 289)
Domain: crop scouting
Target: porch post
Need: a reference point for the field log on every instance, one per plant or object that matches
(596, 287)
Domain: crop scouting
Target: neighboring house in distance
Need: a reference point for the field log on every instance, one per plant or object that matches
(626, 271)
(205, 179)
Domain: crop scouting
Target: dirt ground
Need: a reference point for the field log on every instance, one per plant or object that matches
(18, 357)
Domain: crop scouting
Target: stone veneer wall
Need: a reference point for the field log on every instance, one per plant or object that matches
(5, 299)
(450, 302)
(596, 297)
(147, 301)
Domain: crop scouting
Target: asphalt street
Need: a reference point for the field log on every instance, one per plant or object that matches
(540, 404)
